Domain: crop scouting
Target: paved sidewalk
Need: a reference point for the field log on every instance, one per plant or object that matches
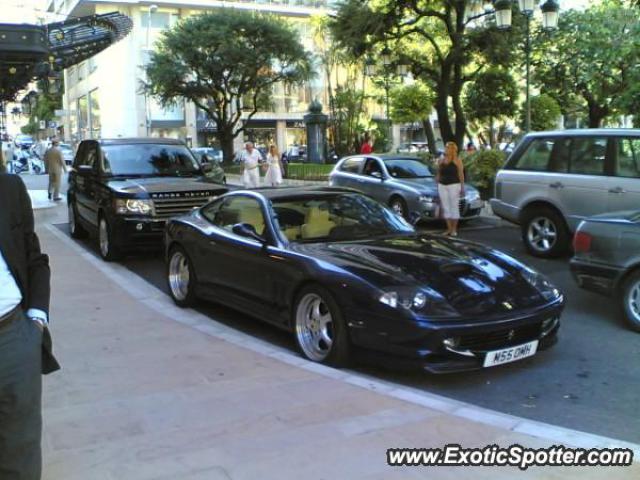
(149, 391)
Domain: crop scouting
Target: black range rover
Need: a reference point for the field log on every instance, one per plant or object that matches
(124, 190)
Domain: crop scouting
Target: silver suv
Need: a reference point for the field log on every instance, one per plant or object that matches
(553, 180)
(404, 183)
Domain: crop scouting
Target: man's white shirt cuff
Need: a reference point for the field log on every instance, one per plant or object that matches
(38, 315)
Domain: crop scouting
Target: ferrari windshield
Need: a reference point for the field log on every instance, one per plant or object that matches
(336, 217)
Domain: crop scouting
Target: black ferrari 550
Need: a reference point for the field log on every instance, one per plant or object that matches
(342, 271)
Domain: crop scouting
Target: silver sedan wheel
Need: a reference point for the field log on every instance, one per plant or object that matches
(179, 276)
(633, 301)
(542, 234)
(314, 327)
(103, 238)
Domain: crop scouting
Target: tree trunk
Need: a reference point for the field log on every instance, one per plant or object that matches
(492, 134)
(226, 138)
(431, 137)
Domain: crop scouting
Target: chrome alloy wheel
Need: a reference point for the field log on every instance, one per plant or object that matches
(179, 276)
(314, 327)
(542, 234)
(633, 301)
(103, 238)
(396, 206)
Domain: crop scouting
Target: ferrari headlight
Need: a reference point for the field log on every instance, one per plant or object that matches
(133, 205)
(473, 195)
(541, 284)
(407, 299)
(389, 298)
(425, 199)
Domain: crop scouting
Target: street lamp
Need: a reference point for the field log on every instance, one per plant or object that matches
(549, 22)
(371, 69)
(147, 113)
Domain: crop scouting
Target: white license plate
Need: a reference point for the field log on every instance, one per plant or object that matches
(511, 354)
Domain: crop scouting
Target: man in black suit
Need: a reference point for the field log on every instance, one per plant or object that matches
(25, 343)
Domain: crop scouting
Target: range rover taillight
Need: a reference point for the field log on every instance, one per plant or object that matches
(581, 242)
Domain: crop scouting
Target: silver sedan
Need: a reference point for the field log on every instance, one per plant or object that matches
(404, 183)
(607, 259)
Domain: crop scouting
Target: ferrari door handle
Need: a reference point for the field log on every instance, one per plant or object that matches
(618, 190)
(557, 185)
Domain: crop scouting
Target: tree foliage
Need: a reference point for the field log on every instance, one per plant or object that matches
(444, 46)
(492, 96)
(545, 112)
(591, 58)
(226, 62)
(414, 103)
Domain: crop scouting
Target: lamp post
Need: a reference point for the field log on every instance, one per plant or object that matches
(371, 69)
(549, 22)
(147, 113)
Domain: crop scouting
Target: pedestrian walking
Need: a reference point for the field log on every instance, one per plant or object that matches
(273, 177)
(25, 342)
(450, 179)
(54, 163)
(250, 159)
(367, 145)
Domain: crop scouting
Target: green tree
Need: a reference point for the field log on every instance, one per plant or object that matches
(545, 112)
(592, 56)
(225, 62)
(345, 85)
(414, 103)
(492, 96)
(444, 45)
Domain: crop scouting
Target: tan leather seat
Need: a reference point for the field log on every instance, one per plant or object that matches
(317, 224)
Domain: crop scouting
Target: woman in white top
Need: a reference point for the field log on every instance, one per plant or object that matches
(273, 177)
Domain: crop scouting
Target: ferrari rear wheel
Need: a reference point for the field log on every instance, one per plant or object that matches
(320, 330)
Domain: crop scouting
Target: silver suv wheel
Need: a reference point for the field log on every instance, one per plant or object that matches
(542, 234)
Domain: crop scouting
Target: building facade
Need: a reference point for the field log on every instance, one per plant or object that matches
(103, 98)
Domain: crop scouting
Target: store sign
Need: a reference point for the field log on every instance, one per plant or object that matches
(206, 125)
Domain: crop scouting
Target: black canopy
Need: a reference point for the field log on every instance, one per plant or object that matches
(32, 51)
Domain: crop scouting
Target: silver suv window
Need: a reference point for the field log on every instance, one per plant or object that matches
(588, 155)
(628, 158)
(545, 155)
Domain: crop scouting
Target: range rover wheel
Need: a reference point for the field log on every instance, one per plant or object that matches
(108, 250)
(631, 300)
(75, 229)
(399, 206)
(544, 233)
(181, 278)
(320, 330)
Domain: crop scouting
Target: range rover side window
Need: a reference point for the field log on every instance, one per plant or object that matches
(588, 155)
(538, 155)
(628, 158)
(351, 165)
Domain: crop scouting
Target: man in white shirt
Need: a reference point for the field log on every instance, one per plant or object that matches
(25, 342)
(250, 159)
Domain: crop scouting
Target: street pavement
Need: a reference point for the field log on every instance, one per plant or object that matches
(151, 391)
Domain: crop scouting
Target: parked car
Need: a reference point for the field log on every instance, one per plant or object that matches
(413, 147)
(554, 180)
(339, 270)
(212, 157)
(124, 190)
(607, 259)
(403, 183)
(22, 141)
(67, 153)
(296, 154)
